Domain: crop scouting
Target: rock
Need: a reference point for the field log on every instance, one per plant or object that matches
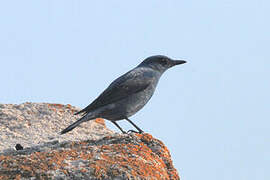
(30, 124)
(90, 152)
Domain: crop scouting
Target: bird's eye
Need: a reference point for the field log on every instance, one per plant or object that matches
(164, 61)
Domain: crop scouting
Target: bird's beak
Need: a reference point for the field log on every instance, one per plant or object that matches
(176, 62)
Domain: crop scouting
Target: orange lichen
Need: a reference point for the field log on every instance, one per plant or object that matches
(124, 159)
(105, 160)
(56, 105)
(60, 108)
(18, 177)
(100, 121)
(83, 170)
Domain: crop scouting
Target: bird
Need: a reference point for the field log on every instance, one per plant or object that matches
(126, 95)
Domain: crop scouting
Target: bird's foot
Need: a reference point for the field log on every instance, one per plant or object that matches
(132, 131)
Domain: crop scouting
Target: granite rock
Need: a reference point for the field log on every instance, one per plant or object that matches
(90, 152)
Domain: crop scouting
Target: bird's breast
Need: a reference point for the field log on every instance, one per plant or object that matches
(138, 100)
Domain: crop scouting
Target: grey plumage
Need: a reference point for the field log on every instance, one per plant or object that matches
(127, 94)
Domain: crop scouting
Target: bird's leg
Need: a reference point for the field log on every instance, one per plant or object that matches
(124, 132)
(140, 131)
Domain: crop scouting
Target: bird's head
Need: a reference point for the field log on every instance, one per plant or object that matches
(160, 62)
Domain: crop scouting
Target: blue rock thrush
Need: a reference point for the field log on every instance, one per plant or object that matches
(127, 94)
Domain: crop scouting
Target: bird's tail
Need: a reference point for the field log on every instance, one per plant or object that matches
(75, 124)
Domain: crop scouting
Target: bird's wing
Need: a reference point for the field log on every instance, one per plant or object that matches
(130, 83)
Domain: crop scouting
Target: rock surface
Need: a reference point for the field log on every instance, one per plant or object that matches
(30, 124)
(90, 151)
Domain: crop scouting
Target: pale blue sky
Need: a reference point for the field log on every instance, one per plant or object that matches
(212, 113)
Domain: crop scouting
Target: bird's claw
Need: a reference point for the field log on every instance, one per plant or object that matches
(132, 131)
